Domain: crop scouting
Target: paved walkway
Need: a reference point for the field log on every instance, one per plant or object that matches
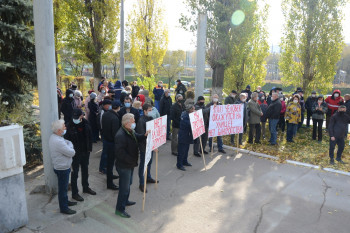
(238, 193)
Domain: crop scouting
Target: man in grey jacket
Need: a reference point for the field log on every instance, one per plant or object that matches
(254, 118)
(62, 152)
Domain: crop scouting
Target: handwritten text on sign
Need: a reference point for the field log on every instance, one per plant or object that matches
(197, 123)
(158, 130)
(226, 120)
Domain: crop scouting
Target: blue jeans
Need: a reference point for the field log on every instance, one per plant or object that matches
(291, 131)
(219, 142)
(125, 181)
(141, 166)
(182, 154)
(63, 179)
(273, 130)
(104, 155)
(156, 104)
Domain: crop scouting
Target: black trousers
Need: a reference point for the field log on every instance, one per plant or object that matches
(80, 159)
(110, 161)
(257, 128)
(341, 144)
(282, 123)
(309, 116)
(317, 127)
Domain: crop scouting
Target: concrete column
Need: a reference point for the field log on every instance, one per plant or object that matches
(46, 72)
(122, 59)
(201, 48)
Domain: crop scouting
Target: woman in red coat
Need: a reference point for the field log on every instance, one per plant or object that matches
(333, 103)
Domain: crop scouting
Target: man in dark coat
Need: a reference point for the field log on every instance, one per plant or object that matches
(338, 130)
(158, 92)
(302, 104)
(127, 154)
(180, 89)
(232, 98)
(128, 109)
(273, 114)
(185, 138)
(242, 100)
(79, 133)
(311, 100)
(164, 109)
(141, 129)
(196, 146)
(247, 90)
(175, 114)
(135, 90)
(110, 125)
(67, 106)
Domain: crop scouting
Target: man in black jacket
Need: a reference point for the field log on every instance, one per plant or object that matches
(311, 100)
(79, 133)
(128, 109)
(273, 114)
(67, 106)
(180, 89)
(196, 145)
(164, 109)
(232, 98)
(247, 90)
(110, 125)
(127, 154)
(175, 115)
(338, 130)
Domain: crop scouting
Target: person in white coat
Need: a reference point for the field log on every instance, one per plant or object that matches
(62, 152)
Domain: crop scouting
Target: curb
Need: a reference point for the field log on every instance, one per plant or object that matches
(256, 154)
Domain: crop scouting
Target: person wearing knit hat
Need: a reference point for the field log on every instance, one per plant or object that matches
(231, 98)
(247, 90)
(164, 109)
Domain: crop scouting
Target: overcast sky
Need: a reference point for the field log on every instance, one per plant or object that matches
(180, 39)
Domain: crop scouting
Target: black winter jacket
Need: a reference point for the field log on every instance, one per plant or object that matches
(110, 125)
(310, 103)
(134, 111)
(141, 129)
(127, 148)
(67, 106)
(175, 114)
(338, 125)
(165, 105)
(80, 144)
(274, 110)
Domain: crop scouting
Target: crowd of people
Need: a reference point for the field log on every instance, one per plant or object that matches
(117, 115)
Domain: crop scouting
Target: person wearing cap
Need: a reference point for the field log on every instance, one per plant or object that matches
(158, 92)
(106, 106)
(128, 109)
(214, 102)
(333, 103)
(232, 98)
(180, 88)
(175, 114)
(110, 126)
(164, 109)
(67, 106)
(338, 130)
(247, 90)
(61, 152)
(310, 102)
(92, 118)
(185, 138)
(196, 146)
(79, 133)
(318, 110)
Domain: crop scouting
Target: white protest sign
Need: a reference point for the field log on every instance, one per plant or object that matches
(226, 120)
(155, 138)
(197, 123)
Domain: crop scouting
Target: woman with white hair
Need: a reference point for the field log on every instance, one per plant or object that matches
(77, 99)
(62, 152)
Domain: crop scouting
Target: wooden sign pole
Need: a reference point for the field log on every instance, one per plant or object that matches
(144, 191)
(237, 144)
(200, 141)
(156, 185)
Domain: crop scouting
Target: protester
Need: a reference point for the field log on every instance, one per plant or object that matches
(61, 151)
(125, 93)
(135, 90)
(117, 90)
(164, 109)
(310, 102)
(259, 90)
(185, 138)
(232, 98)
(243, 101)
(110, 126)
(67, 106)
(247, 90)
(79, 133)
(254, 118)
(101, 95)
(77, 99)
(142, 87)
(138, 105)
(127, 154)
(141, 129)
(93, 111)
(59, 100)
(293, 117)
(338, 130)
(189, 97)
(154, 113)
(214, 102)
(263, 119)
(106, 106)
(128, 109)
(273, 114)
(282, 121)
(333, 102)
(141, 98)
(318, 110)
(180, 88)
(175, 114)
(302, 105)
(158, 92)
(204, 137)
(125, 84)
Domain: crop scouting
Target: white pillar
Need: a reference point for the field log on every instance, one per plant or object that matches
(122, 59)
(201, 47)
(46, 72)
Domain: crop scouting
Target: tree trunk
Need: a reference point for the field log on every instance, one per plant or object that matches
(97, 74)
(218, 80)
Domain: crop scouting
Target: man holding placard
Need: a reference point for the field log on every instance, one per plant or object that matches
(204, 137)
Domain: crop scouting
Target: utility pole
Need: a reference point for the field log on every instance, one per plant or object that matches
(122, 59)
(46, 74)
(201, 47)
